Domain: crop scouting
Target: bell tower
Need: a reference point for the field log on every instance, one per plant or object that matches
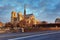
(13, 17)
(20, 16)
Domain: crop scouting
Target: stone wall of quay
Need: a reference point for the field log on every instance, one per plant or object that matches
(29, 29)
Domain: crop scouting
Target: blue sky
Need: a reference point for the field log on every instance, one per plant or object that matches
(44, 10)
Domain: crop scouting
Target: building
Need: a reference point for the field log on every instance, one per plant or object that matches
(57, 20)
(28, 19)
(1, 24)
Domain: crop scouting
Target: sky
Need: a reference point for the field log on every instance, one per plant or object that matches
(43, 10)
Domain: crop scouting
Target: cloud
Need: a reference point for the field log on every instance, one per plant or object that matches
(42, 9)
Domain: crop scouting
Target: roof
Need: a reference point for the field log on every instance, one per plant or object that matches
(28, 15)
(57, 20)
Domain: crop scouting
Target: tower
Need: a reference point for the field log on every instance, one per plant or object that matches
(13, 17)
(20, 16)
(24, 10)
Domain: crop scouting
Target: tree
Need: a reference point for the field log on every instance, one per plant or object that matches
(9, 25)
(44, 22)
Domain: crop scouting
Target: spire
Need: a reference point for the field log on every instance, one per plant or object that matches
(24, 10)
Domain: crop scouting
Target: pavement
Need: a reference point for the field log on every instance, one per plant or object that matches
(42, 35)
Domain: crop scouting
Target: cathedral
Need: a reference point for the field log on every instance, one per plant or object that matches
(28, 18)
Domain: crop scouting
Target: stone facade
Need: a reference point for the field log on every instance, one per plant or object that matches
(28, 19)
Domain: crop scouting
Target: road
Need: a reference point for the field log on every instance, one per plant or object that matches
(45, 35)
